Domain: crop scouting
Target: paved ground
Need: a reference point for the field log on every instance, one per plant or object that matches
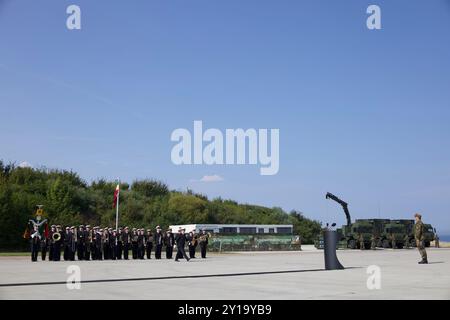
(271, 275)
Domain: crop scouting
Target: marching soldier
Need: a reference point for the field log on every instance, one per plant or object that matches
(35, 243)
(204, 239)
(419, 231)
(159, 241)
(80, 243)
(126, 239)
(436, 241)
(119, 245)
(169, 242)
(141, 244)
(181, 242)
(149, 244)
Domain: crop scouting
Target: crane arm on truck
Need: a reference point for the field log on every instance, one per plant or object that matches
(344, 206)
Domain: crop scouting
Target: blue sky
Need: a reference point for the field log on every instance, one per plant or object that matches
(363, 114)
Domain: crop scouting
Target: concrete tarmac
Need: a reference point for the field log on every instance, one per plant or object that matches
(237, 276)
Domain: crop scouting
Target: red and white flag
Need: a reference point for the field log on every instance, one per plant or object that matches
(116, 196)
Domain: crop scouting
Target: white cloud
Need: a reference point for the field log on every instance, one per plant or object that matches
(213, 178)
(24, 164)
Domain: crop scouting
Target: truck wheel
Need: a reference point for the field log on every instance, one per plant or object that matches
(386, 244)
(400, 246)
(413, 243)
(427, 244)
(352, 244)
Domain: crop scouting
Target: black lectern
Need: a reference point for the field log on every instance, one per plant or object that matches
(331, 239)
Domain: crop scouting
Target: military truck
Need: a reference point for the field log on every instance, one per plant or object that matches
(429, 235)
(351, 232)
(409, 230)
(393, 231)
(383, 229)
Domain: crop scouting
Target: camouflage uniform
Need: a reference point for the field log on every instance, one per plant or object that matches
(361, 242)
(419, 236)
(406, 242)
(394, 244)
(373, 244)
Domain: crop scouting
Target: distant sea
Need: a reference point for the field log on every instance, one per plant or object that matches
(445, 238)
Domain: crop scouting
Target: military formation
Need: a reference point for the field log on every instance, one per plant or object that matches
(86, 243)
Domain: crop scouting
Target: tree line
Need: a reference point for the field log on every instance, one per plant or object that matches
(69, 200)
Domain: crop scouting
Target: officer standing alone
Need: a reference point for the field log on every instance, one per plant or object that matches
(419, 231)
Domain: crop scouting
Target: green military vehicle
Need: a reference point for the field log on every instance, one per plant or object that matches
(429, 235)
(409, 231)
(393, 234)
(351, 235)
(384, 230)
(352, 232)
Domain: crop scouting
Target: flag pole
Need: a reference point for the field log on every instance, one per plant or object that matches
(117, 207)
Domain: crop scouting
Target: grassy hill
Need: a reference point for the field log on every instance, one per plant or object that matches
(69, 200)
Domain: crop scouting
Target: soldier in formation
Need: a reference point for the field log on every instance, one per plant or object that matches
(373, 242)
(406, 241)
(203, 240)
(126, 240)
(87, 243)
(393, 241)
(35, 243)
(159, 242)
(361, 241)
(169, 242)
(192, 239)
(149, 244)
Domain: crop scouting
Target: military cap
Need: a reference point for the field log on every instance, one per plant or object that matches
(158, 227)
(88, 226)
(418, 215)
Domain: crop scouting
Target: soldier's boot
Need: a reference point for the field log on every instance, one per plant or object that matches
(423, 262)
